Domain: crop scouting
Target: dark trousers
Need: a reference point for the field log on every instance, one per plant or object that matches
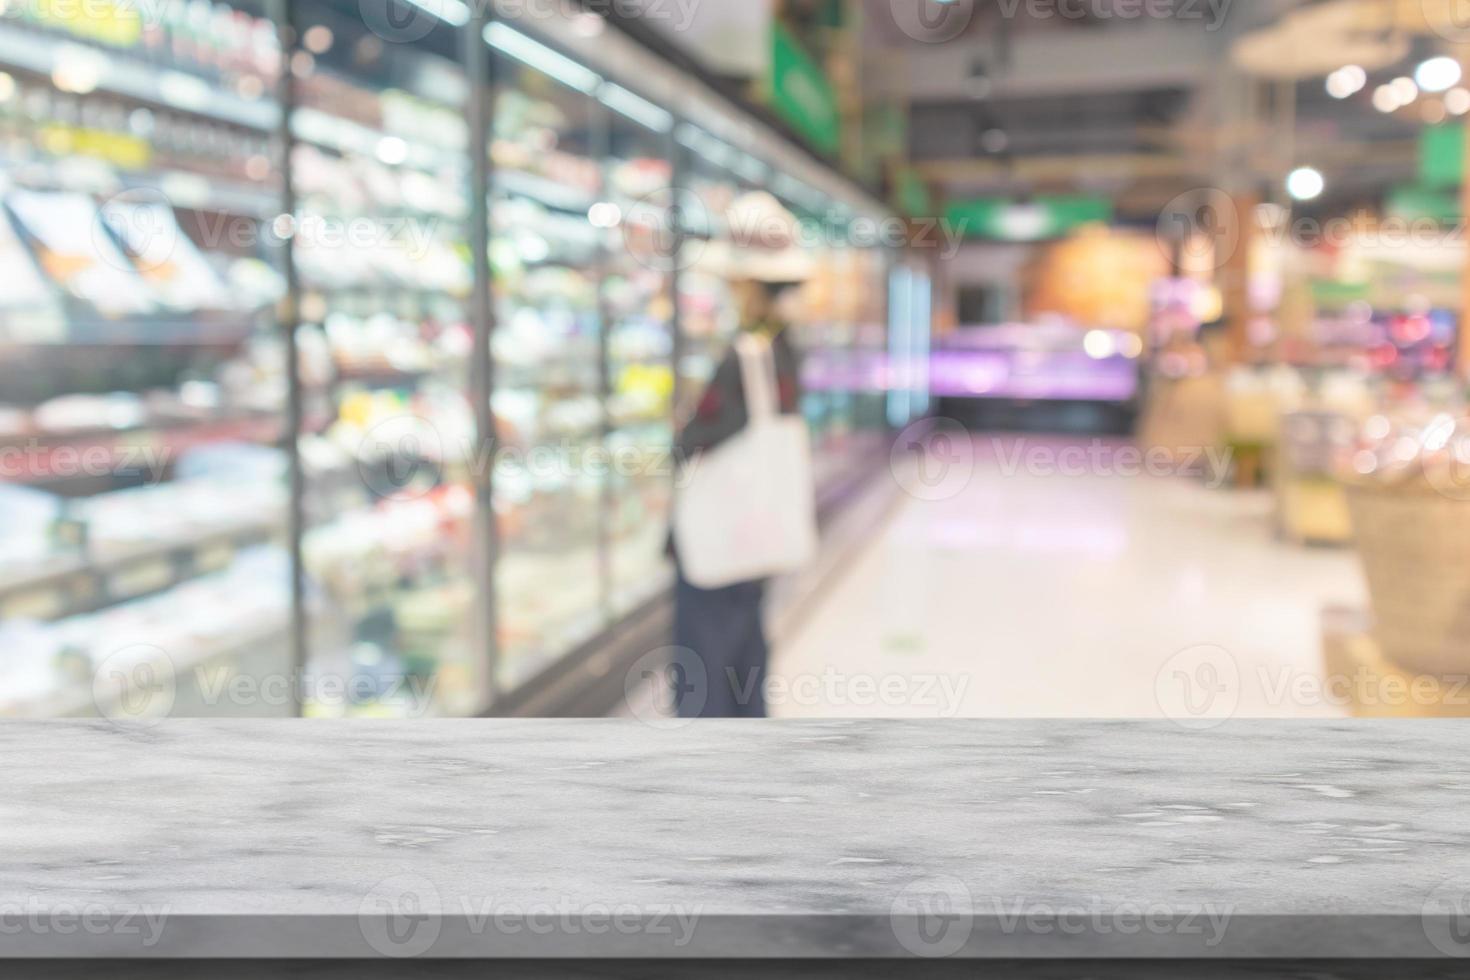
(723, 629)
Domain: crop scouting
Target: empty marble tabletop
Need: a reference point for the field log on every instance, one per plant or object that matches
(772, 839)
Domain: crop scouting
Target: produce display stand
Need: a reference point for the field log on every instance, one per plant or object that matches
(1373, 686)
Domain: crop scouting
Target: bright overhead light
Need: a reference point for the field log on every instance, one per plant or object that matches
(1385, 99)
(1305, 184)
(1457, 101)
(543, 59)
(994, 141)
(1404, 90)
(1346, 82)
(1099, 345)
(605, 214)
(1438, 74)
(392, 150)
(636, 108)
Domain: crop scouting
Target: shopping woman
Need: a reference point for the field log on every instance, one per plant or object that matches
(722, 627)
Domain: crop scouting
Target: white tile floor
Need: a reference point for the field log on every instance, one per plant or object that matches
(1028, 595)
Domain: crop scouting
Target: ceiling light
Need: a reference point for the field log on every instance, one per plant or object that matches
(589, 24)
(1457, 101)
(392, 150)
(605, 214)
(1305, 184)
(1346, 82)
(1099, 345)
(994, 141)
(1438, 74)
(1385, 99)
(1404, 89)
(317, 39)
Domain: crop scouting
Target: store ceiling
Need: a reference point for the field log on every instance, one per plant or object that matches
(1141, 109)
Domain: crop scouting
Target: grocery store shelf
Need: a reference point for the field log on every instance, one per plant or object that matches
(250, 427)
(91, 700)
(72, 585)
(204, 329)
(120, 74)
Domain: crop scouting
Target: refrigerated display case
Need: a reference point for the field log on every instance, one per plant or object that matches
(143, 499)
(380, 167)
(550, 414)
(638, 311)
(262, 418)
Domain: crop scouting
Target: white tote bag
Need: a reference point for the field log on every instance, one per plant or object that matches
(747, 509)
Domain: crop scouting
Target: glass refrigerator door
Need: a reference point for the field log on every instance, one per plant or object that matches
(714, 177)
(638, 302)
(548, 359)
(143, 500)
(381, 170)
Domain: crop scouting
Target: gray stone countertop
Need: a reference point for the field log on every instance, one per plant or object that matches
(772, 839)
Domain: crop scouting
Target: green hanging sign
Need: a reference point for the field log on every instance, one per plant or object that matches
(800, 93)
(1025, 221)
(911, 194)
(1442, 155)
(1410, 202)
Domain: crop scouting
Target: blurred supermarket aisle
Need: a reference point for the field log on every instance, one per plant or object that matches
(1020, 592)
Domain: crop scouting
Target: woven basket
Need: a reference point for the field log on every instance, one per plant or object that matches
(1415, 548)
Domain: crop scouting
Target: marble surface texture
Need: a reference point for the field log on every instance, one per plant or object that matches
(792, 839)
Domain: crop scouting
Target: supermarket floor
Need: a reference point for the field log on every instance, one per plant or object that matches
(998, 588)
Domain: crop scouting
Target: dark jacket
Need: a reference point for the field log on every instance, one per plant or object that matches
(721, 412)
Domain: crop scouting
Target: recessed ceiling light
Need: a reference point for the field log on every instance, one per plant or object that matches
(1438, 74)
(994, 141)
(1346, 81)
(1305, 184)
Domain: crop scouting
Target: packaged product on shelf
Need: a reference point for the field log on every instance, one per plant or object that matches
(76, 251)
(22, 288)
(27, 516)
(68, 413)
(174, 269)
